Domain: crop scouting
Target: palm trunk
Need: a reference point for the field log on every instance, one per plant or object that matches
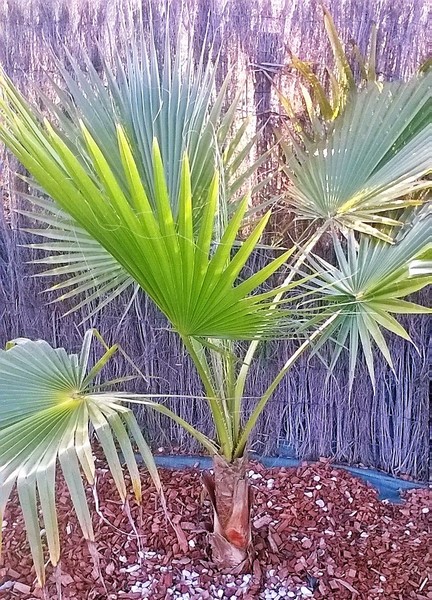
(230, 495)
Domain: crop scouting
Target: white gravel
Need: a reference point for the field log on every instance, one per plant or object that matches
(227, 586)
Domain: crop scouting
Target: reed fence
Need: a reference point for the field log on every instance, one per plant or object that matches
(310, 414)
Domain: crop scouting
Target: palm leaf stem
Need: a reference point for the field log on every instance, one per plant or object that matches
(220, 417)
(229, 360)
(251, 422)
(206, 442)
(253, 346)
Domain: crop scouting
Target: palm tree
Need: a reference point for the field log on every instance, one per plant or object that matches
(135, 199)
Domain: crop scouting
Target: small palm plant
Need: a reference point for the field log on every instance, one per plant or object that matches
(128, 204)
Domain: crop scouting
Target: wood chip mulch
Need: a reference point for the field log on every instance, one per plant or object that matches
(318, 532)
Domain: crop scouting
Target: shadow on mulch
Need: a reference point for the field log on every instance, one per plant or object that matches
(318, 532)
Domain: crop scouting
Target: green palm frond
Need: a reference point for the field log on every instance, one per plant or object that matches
(368, 286)
(422, 266)
(168, 100)
(48, 402)
(85, 269)
(172, 258)
(151, 99)
(370, 162)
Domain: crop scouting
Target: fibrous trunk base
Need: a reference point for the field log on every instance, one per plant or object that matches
(230, 496)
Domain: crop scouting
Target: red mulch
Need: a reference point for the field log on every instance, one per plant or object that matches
(318, 532)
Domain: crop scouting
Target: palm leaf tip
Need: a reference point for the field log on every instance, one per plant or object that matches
(48, 403)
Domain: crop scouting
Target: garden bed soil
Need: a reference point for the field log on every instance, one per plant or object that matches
(318, 533)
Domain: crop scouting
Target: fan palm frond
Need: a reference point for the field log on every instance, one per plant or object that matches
(85, 269)
(371, 161)
(48, 402)
(170, 257)
(151, 99)
(170, 100)
(368, 286)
